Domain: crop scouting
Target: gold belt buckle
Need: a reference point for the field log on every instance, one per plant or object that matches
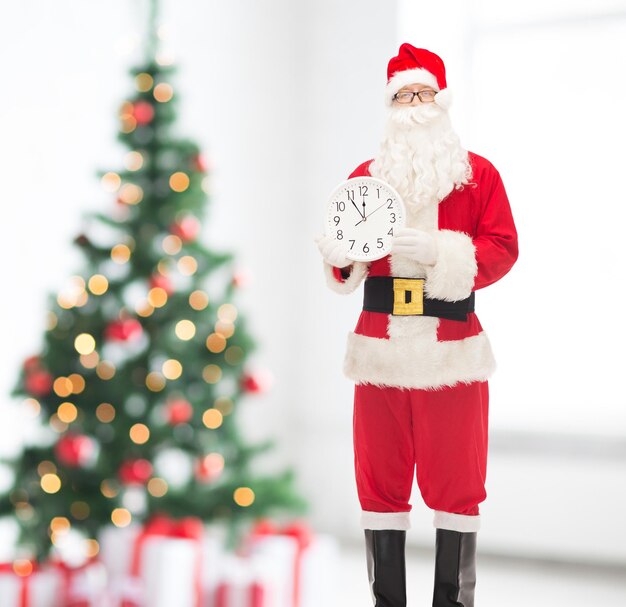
(415, 305)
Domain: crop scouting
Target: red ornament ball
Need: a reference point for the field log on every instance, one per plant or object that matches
(123, 330)
(135, 472)
(256, 383)
(209, 468)
(143, 112)
(160, 281)
(178, 411)
(74, 450)
(187, 229)
(38, 383)
(199, 163)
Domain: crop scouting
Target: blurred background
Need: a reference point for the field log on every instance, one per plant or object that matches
(285, 98)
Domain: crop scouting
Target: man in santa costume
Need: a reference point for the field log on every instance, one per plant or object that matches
(421, 393)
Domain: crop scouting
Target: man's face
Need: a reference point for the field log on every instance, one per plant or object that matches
(402, 97)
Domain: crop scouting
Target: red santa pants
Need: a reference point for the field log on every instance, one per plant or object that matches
(440, 433)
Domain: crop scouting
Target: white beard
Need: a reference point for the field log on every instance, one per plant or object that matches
(421, 156)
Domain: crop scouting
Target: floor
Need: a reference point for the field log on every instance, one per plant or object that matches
(500, 583)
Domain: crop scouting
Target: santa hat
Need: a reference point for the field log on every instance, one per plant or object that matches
(417, 66)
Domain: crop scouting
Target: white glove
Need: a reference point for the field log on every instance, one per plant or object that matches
(416, 245)
(332, 251)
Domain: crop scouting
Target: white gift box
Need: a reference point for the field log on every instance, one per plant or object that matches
(244, 582)
(44, 589)
(169, 568)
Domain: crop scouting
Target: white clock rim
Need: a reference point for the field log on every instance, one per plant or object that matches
(371, 181)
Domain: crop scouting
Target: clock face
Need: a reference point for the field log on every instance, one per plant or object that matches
(363, 214)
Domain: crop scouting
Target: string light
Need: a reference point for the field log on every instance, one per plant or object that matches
(121, 517)
(163, 267)
(172, 369)
(144, 82)
(227, 312)
(120, 253)
(198, 300)
(62, 386)
(172, 244)
(109, 488)
(187, 265)
(179, 181)
(98, 284)
(244, 497)
(50, 483)
(139, 434)
(92, 548)
(211, 374)
(52, 320)
(32, 407)
(133, 161)
(89, 361)
(212, 419)
(80, 510)
(144, 309)
(78, 382)
(233, 355)
(105, 370)
(185, 330)
(157, 487)
(105, 412)
(131, 193)
(46, 467)
(22, 567)
(215, 343)
(155, 381)
(227, 329)
(56, 424)
(84, 344)
(67, 412)
(157, 297)
(60, 525)
(224, 405)
(163, 92)
(111, 182)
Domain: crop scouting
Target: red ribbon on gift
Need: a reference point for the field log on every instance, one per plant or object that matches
(161, 525)
(299, 532)
(67, 574)
(25, 581)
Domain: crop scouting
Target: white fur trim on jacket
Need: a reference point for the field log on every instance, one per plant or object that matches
(359, 271)
(414, 76)
(452, 276)
(379, 521)
(456, 522)
(411, 362)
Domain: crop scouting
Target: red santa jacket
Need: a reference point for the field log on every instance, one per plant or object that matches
(476, 243)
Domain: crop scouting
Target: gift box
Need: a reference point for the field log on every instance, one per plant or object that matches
(303, 563)
(244, 582)
(39, 588)
(157, 565)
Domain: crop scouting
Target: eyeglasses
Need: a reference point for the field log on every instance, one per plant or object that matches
(425, 96)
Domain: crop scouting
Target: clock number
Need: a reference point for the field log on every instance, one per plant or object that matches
(390, 233)
(390, 201)
(378, 192)
(363, 191)
(380, 243)
(337, 219)
(350, 195)
(366, 249)
(352, 241)
(393, 220)
(339, 234)
(341, 206)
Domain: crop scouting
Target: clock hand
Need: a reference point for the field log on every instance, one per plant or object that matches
(357, 209)
(374, 211)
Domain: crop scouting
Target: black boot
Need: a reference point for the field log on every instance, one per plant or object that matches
(455, 569)
(386, 567)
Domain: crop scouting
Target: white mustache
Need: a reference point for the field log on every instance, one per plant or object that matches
(415, 114)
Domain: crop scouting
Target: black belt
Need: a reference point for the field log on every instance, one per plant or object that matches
(405, 297)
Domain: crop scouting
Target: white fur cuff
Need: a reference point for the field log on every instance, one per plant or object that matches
(407, 362)
(456, 522)
(359, 271)
(379, 521)
(452, 277)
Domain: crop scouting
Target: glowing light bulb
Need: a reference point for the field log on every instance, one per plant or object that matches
(244, 496)
(179, 181)
(84, 344)
(212, 419)
(163, 92)
(185, 330)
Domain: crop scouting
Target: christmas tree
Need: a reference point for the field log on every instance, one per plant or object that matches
(143, 366)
